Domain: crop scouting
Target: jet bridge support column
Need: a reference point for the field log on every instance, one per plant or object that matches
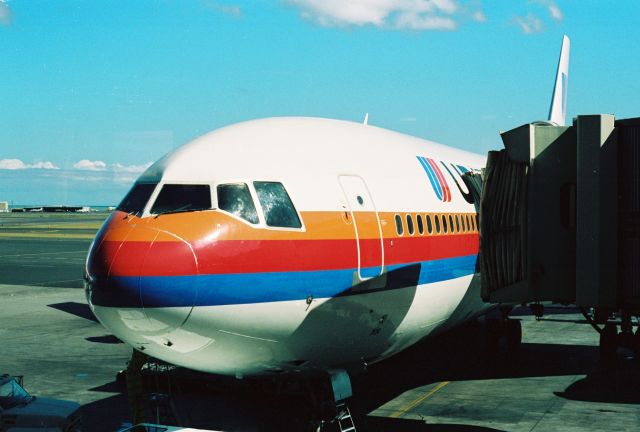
(597, 210)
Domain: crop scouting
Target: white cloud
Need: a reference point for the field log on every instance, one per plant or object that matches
(5, 13)
(44, 165)
(397, 14)
(116, 167)
(554, 11)
(529, 24)
(17, 164)
(87, 165)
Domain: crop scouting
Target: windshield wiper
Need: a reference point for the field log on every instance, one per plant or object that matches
(183, 209)
(129, 214)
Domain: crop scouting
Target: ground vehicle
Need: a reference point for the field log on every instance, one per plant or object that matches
(21, 411)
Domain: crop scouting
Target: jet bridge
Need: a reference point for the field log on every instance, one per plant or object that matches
(560, 220)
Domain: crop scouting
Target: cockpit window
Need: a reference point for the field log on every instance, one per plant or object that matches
(235, 198)
(135, 201)
(278, 208)
(181, 197)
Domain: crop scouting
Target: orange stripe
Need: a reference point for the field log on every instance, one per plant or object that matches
(217, 225)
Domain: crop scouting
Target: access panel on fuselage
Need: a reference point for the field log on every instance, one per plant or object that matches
(366, 223)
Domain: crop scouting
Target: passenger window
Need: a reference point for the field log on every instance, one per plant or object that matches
(399, 229)
(420, 224)
(410, 224)
(444, 224)
(476, 221)
(463, 219)
(429, 225)
(235, 198)
(181, 197)
(451, 226)
(437, 221)
(135, 201)
(457, 223)
(276, 203)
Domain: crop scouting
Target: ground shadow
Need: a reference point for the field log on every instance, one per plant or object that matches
(105, 415)
(81, 310)
(617, 383)
(460, 355)
(384, 424)
(106, 339)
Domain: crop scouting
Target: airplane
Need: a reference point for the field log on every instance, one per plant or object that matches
(293, 244)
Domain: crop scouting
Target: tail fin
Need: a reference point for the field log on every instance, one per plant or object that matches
(558, 109)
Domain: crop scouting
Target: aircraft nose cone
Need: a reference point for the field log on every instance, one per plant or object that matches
(143, 270)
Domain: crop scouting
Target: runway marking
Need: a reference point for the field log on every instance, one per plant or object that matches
(418, 400)
(48, 235)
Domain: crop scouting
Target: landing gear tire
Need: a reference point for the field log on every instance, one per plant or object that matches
(514, 334)
(608, 342)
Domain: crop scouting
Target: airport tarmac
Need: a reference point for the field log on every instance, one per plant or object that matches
(46, 249)
(555, 381)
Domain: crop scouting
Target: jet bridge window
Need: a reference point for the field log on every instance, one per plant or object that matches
(182, 198)
(235, 198)
(278, 208)
(135, 201)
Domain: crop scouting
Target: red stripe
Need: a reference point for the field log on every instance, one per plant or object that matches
(245, 256)
(441, 179)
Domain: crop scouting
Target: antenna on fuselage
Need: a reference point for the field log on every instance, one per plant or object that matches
(366, 119)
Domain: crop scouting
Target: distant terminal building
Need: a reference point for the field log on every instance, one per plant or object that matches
(4, 207)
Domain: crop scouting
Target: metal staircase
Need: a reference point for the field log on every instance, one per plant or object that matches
(345, 420)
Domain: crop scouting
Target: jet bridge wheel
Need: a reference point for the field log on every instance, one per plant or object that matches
(514, 334)
(636, 343)
(608, 342)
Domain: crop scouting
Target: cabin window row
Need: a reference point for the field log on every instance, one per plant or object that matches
(237, 199)
(433, 224)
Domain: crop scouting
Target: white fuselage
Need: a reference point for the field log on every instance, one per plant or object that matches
(217, 291)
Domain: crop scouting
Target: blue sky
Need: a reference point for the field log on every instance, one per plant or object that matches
(93, 91)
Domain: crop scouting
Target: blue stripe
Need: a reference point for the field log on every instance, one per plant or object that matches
(462, 169)
(245, 288)
(435, 184)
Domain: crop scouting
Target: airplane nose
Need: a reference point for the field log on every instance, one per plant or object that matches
(141, 272)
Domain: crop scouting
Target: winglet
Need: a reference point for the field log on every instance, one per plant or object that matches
(558, 109)
(366, 119)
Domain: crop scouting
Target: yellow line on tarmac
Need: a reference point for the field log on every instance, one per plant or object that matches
(418, 400)
(47, 235)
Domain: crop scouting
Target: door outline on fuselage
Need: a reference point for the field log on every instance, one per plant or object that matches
(352, 200)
